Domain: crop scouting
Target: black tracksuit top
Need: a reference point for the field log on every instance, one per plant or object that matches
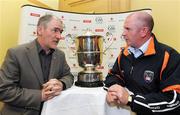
(154, 78)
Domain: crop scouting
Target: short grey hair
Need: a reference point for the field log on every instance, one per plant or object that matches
(45, 19)
(144, 18)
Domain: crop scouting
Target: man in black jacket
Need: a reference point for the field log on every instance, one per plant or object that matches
(148, 69)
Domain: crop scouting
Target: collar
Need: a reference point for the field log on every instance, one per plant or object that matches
(135, 51)
(139, 51)
(41, 50)
(144, 47)
(148, 48)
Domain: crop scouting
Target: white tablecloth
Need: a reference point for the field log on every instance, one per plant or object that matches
(82, 101)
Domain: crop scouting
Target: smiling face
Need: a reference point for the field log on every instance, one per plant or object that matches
(49, 34)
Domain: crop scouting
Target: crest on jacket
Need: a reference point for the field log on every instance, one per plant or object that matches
(148, 76)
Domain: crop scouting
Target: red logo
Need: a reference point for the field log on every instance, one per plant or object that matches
(99, 30)
(34, 14)
(86, 21)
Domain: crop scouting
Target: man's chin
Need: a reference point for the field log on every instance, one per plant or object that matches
(54, 47)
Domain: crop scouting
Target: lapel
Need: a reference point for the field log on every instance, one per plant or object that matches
(54, 65)
(33, 57)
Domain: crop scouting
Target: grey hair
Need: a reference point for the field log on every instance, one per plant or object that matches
(44, 20)
(149, 21)
(144, 18)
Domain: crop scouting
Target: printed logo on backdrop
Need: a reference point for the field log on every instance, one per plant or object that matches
(70, 42)
(99, 30)
(32, 24)
(111, 28)
(111, 19)
(99, 20)
(34, 14)
(74, 20)
(85, 30)
(121, 20)
(87, 21)
(148, 76)
(62, 18)
(110, 65)
(74, 28)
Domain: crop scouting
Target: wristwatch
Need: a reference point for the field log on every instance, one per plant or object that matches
(129, 100)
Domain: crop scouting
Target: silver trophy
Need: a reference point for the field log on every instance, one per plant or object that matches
(90, 54)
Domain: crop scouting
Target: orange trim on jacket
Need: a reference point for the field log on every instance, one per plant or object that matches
(150, 51)
(165, 61)
(151, 47)
(119, 57)
(125, 52)
(173, 87)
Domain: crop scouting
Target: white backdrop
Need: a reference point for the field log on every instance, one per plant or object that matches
(110, 26)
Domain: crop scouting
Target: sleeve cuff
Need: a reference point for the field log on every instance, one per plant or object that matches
(64, 85)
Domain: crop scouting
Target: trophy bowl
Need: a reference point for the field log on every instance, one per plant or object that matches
(90, 54)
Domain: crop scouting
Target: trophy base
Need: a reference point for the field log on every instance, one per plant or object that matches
(89, 79)
(89, 84)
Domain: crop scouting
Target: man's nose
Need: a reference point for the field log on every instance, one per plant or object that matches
(123, 33)
(58, 35)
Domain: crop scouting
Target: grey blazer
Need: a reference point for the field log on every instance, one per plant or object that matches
(21, 79)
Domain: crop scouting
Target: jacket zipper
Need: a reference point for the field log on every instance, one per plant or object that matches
(131, 71)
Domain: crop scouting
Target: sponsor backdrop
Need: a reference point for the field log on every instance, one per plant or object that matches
(109, 26)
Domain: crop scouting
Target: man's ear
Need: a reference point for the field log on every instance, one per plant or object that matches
(39, 30)
(144, 31)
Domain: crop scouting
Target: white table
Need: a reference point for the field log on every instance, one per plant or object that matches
(82, 101)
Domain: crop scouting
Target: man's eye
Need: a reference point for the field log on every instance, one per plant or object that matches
(61, 31)
(127, 28)
(57, 30)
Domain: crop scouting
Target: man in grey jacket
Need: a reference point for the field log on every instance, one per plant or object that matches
(35, 72)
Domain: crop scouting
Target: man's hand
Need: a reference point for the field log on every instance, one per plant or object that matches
(111, 98)
(51, 89)
(117, 94)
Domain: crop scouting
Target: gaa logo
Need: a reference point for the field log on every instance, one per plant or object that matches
(110, 65)
(99, 20)
(111, 28)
